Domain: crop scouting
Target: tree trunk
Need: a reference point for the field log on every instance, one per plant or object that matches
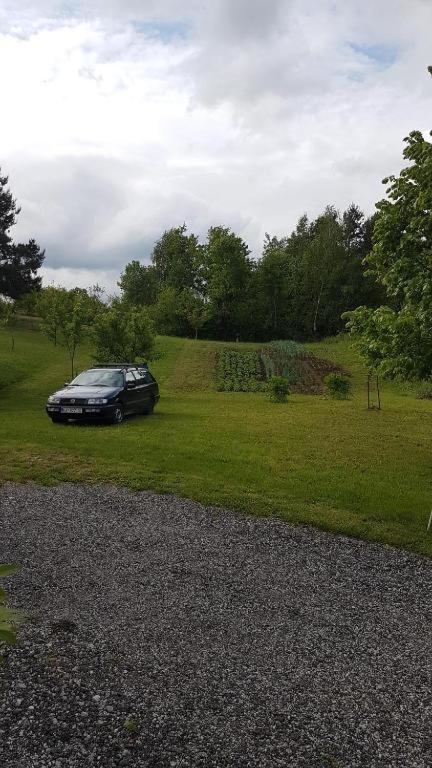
(317, 308)
(196, 333)
(274, 310)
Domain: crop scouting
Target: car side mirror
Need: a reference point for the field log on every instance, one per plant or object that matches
(66, 384)
(130, 385)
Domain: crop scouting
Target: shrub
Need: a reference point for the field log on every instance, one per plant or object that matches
(424, 391)
(278, 388)
(337, 386)
(239, 371)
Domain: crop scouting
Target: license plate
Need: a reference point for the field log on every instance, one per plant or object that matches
(67, 409)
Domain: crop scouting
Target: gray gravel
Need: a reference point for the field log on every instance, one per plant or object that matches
(220, 639)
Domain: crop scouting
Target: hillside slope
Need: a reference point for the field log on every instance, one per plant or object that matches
(329, 463)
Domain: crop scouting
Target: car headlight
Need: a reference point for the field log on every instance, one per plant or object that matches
(53, 399)
(97, 400)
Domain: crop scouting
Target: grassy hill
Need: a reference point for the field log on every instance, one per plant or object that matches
(329, 463)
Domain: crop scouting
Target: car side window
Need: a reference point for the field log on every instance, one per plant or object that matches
(145, 375)
(130, 376)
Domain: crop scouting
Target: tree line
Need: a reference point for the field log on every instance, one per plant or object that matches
(299, 288)
(372, 275)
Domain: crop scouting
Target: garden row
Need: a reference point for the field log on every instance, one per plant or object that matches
(281, 367)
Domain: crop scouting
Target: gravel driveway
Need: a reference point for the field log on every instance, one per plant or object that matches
(170, 635)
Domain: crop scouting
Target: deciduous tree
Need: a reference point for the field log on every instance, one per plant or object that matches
(396, 338)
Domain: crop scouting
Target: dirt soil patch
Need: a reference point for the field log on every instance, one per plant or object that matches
(311, 372)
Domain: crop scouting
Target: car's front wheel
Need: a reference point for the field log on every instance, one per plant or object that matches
(118, 414)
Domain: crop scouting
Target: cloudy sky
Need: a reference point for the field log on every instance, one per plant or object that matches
(121, 118)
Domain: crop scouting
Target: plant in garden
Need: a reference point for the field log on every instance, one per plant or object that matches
(278, 358)
(239, 371)
(337, 386)
(424, 390)
(9, 619)
(278, 388)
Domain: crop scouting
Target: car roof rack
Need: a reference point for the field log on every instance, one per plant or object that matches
(121, 365)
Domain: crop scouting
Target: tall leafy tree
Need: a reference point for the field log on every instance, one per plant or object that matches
(176, 259)
(323, 275)
(139, 284)
(273, 275)
(227, 273)
(19, 263)
(166, 313)
(396, 338)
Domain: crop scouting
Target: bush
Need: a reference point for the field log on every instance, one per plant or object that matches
(278, 388)
(424, 391)
(337, 386)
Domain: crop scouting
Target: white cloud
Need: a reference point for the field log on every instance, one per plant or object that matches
(126, 118)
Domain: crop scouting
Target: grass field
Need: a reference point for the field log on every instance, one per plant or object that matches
(333, 464)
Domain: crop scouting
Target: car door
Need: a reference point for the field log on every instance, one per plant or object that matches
(144, 388)
(132, 394)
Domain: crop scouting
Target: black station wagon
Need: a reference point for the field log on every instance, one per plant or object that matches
(107, 392)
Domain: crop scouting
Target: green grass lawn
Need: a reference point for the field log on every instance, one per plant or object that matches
(333, 464)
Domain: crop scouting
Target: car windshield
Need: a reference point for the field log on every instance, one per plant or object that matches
(99, 377)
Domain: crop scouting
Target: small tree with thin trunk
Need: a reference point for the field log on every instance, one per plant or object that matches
(194, 309)
(67, 317)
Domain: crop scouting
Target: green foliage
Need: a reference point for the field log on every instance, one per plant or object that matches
(299, 288)
(337, 386)
(278, 388)
(194, 309)
(123, 333)
(139, 284)
(176, 259)
(67, 317)
(21, 261)
(278, 358)
(396, 339)
(227, 274)
(9, 619)
(166, 313)
(7, 319)
(239, 371)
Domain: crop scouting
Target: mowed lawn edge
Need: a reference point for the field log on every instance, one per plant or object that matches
(314, 461)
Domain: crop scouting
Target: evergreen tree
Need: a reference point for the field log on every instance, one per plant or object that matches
(19, 262)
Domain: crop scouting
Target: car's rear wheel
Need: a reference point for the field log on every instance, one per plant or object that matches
(118, 414)
(149, 407)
